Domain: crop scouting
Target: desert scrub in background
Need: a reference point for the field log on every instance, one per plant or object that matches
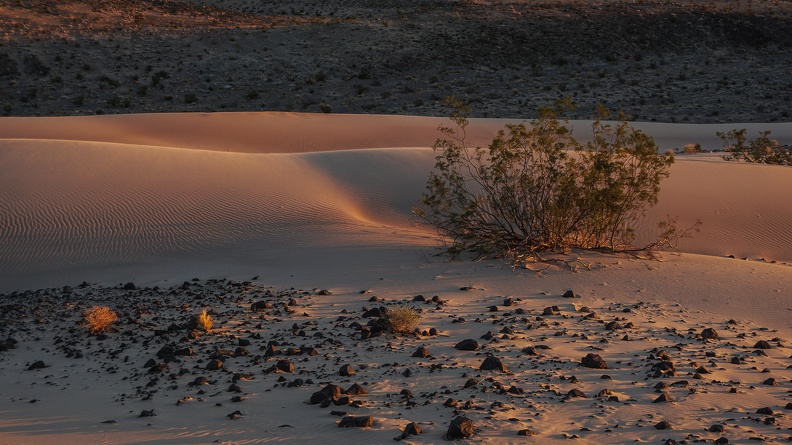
(98, 319)
(401, 319)
(536, 189)
(762, 150)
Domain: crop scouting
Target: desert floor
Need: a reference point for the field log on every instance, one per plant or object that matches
(289, 228)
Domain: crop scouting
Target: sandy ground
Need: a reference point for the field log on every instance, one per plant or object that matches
(309, 217)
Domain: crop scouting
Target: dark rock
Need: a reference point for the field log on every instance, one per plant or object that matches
(576, 393)
(460, 428)
(767, 411)
(526, 432)
(130, 286)
(406, 393)
(761, 344)
(613, 326)
(770, 382)
(234, 388)
(530, 350)
(356, 421)
(214, 364)
(709, 334)
(593, 361)
(284, 366)
(235, 415)
(39, 364)
(377, 312)
(422, 352)
(420, 298)
(147, 413)
(663, 398)
(260, 306)
(716, 428)
(492, 363)
(570, 294)
(330, 391)
(346, 371)
(151, 362)
(412, 429)
(356, 390)
(722, 441)
(664, 425)
(467, 345)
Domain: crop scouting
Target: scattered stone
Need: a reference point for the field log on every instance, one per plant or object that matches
(284, 366)
(664, 425)
(467, 345)
(709, 334)
(147, 413)
(422, 352)
(461, 428)
(663, 398)
(575, 393)
(330, 392)
(492, 363)
(767, 411)
(39, 364)
(762, 344)
(356, 390)
(526, 432)
(570, 294)
(346, 371)
(356, 421)
(214, 364)
(593, 361)
(235, 415)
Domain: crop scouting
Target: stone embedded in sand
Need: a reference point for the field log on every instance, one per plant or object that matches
(770, 382)
(377, 312)
(235, 415)
(492, 363)
(570, 294)
(149, 363)
(593, 361)
(156, 369)
(613, 326)
(709, 334)
(766, 411)
(356, 390)
(214, 364)
(330, 391)
(346, 371)
(234, 388)
(467, 345)
(38, 364)
(664, 425)
(284, 366)
(130, 286)
(716, 428)
(762, 344)
(356, 421)
(722, 441)
(450, 403)
(530, 350)
(412, 428)
(147, 413)
(573, 393)
(663, 398)
(470, 382)
(260, 306)
(460, 428)
(421, 352)
(526, 432)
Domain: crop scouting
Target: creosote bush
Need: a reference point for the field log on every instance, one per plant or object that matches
(98, 319)
(762, 150)
(536, 189)
(402, 319)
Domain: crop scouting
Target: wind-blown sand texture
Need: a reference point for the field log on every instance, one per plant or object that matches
(311, 214)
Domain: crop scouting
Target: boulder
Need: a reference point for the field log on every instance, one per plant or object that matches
(709, 334)
(593, 361)
(356, 421)
(460, 428)
(492, 363)
(467, 345)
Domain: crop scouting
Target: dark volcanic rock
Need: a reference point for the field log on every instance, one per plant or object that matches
(664, 425)
(346, 371)
(593, 361)
(330, 391)
(709, 334)
(570, 294)
(421, 352)
(467, 345)
(460, 428)
(356, 390)
(39, 364)
(356, 421)
(284, 366)
(762, 344)
(492, 363)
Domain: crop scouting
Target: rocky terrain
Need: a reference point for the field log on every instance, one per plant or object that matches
(696, 61)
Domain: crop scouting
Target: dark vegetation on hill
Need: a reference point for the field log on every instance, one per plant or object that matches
(697, 61)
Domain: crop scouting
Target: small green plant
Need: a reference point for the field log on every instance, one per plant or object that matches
(98, 319)
(402, 319)
(762, 150)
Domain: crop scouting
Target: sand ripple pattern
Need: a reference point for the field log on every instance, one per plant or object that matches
(72, 204)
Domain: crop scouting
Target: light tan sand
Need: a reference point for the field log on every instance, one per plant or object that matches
(116, 199)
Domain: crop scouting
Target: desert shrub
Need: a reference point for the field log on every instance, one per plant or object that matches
(761, 150)
(690, 149)
(203, 321)
(402, 319)
(536, 189)
(98, 319)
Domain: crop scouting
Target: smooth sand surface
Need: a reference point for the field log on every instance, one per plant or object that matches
(310, 202)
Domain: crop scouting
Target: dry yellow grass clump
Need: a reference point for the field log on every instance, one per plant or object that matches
(98, 319)
(203, 321)
(402, 319)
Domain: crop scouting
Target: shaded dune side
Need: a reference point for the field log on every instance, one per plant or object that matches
(68, 204)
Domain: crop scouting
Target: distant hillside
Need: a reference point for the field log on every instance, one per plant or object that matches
(695, 61)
